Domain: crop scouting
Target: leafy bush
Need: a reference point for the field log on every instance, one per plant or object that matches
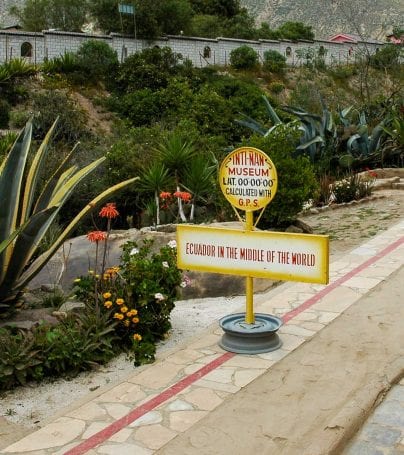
(386, 57)
(97, 61)
(276, 87)
(4, 114)
(244, 57)
(151, 68)
(66, 63)
(18, 119)
(139, 295)
(274, 62)
(353, 187)
(52, 104)
(296, 178)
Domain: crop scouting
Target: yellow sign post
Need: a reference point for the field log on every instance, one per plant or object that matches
(249, 181)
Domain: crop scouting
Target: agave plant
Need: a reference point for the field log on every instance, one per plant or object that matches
(25, 215)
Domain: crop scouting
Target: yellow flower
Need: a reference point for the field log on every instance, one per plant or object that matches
(126, 323)
(108, 304)
(106, 295)
(120, 301)
(118, 316)
(91, 272)
(105, 276)
(77, 280)
(124, 309)
(97, 276)
(135, 320)
(137, 337)
(131, 313)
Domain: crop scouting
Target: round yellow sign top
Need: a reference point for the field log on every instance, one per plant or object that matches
(248, 179)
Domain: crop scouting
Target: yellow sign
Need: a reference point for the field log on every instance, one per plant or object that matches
(275, 255)
(248, 179)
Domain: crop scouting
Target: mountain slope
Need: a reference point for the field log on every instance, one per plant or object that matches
(369, 17)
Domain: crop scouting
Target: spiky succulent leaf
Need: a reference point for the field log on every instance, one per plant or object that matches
(11, 177)
(39, 263)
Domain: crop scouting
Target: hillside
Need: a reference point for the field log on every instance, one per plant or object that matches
(5, 18)
(372, 17)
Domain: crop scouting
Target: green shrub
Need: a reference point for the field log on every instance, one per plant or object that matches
(142, 107)
(97, 60)
(274, 62)
(52, 104)
(4, 114)
(276, 87)
(139, 298)
(18, 119)
(6, 142)
(151, 68)
(386, 57)
(65, 64)
(244, 57)
(296, 178)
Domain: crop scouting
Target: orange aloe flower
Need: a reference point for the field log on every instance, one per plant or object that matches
(96, 236)
(165, 195)
(109, 211)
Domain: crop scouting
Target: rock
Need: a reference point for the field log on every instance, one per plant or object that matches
(23, 325)
(60, 315)
(294, 229)
(51, 287)
(31, 299)
(71, 305)
(166, 228)
(303, 225)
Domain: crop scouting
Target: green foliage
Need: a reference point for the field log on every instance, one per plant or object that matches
(66, 64)
(4, 113)
(387, 57)
(276, 87)
(274, 62)
(295, 31)
(243, 57)
(206, 26)
(353, 187)
(151, 68)
(51, 104)
(297, 181)
(29, 212)
(38, 15)
(97, 61)
(6, 142)
(139, 298)
(19, 359)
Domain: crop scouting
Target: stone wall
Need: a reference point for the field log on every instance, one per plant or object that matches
(201, 51)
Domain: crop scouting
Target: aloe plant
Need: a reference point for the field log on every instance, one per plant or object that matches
(25, 215)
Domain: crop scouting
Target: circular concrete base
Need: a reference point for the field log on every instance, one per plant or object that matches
(244, 338)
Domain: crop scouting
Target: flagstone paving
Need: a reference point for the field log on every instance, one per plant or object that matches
(157, 402)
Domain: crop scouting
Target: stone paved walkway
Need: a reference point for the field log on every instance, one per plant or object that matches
(383, 432)
(157, 402)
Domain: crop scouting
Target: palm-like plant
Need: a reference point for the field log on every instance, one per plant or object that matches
(25, 216)
(199, 181)
(176, 152)
(155, 179)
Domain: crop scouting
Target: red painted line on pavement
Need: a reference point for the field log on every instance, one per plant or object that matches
(123, 422)
(176, 388)
(312, 300)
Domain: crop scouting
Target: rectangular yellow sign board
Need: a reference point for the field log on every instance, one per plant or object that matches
(274, 255)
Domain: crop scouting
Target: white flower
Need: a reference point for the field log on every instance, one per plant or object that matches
(183, 284)
(134, 251)
(172, 244)
(159, 297)
(165, 265)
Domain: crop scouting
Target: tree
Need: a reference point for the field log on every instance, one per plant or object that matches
(37, 15)
(206, 26)
(223, 8)
(295, 31)
(243, 57)
(174, 16)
